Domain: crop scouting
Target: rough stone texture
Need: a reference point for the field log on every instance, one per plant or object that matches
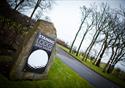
(17, 72)
(47, 28)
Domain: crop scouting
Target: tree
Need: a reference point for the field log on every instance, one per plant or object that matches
(16, 4)
(98, 53)
(100, 25)
(38, 15)
(117, 44)
(108, 38)
(36, 6)
(42, 4)
(85, 14)
(88, 28)
(23, 5)
(103, 50)
(119, 52)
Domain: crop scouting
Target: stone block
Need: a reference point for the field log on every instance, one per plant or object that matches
(24, 67)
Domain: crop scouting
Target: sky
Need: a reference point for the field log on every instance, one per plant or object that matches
(66, 17)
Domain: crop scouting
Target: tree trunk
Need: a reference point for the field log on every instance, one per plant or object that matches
(89, 47)
(98, 53)
(18, 4)
(81, 42)
(77, 34)
(109, 60)
(92, 44)
(110, 68)
(104, 69)
(111, 57)
(100, 57)
(36, 6)
(103, 51)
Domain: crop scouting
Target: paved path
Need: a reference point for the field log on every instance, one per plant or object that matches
(92, 77)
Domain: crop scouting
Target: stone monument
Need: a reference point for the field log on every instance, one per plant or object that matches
(35, 57)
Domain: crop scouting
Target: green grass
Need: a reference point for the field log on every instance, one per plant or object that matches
(59, 76)
(64, 48)
(99, 70)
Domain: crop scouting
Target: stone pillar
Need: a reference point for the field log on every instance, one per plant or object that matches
(44, 34)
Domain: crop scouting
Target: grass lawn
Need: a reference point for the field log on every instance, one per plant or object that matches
(59, 76)
(97, 69)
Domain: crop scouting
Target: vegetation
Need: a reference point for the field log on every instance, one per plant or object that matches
(16, 28)
(25, 5)
(105, 22)
(59, 76)
(99, 70)
(14, 25)
(108, 27)
(86, 12)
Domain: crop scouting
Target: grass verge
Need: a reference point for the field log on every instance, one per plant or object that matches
(98, 70)
(59, 76)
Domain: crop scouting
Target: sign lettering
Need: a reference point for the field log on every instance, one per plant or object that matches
(44, 43)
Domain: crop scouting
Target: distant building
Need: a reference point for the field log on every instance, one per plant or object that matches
(61, 42)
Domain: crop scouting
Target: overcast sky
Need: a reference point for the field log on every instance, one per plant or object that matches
(66, 17)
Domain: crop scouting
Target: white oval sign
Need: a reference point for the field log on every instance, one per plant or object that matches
(38, 59)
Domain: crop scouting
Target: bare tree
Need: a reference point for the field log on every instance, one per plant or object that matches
(117, 44)
(15, 4)
(18, 3)
(36, 6)
(119, 52)
(88, 28)
(23, 5)
(98, 53)
(42, 4)
(85, 14)
(103, 50)
(107, 32)
(38, 15)
(101, 24)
